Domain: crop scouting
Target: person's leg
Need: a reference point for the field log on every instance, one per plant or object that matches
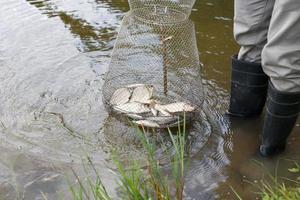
(281, 55)
(251, 24)
(248, 81)
(281, 62)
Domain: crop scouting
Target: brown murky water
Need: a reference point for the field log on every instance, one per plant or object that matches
(53, 56)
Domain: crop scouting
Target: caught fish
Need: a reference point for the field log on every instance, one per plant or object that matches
(177, 107)
(120, 96)
(135, 116)
(154, 111)
(136, 102)
(142, 94)
(133, 108)
(163, 120)
(135, 85)
(147, 123)
(161, 110)
(151, 102)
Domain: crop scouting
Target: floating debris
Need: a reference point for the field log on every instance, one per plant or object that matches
(50, 178)
(167, 38)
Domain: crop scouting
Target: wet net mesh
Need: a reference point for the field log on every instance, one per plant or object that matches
(156, 46)
(162, 11)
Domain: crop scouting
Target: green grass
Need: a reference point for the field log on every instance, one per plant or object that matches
(280, 192)
(140, 183)
(276, 188)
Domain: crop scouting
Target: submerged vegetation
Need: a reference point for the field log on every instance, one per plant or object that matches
(152, 182)
(137, 182)
(275, 188)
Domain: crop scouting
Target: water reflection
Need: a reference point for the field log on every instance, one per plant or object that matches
(50, 102)
(214, 39)
(94, 31)
(52, 57)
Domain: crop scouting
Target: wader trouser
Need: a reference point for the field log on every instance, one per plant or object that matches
(268, 32)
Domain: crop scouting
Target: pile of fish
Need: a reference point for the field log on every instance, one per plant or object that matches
(136, 102)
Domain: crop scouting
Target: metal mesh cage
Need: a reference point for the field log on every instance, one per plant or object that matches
(162, 11)
(161, 56)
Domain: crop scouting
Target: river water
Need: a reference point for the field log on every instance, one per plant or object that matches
(53, 57)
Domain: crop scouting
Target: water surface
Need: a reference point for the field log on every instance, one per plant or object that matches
(53, 57)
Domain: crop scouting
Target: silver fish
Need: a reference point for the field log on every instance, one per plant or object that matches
(135, 116)
(163, 120)
(135, 85)
(161, 111)
(120, 96)
(142, 94)
(133, 108)
(177, 107)
(151, 102)
(147, 123)
(154, 111)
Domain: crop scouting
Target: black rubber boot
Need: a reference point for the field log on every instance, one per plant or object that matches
(281, 116)
(249, 85)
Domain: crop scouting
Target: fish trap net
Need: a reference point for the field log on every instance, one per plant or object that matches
(162, 11)
(154, 75)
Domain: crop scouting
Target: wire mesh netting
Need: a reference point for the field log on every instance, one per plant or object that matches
(162, 11)
(154, 74)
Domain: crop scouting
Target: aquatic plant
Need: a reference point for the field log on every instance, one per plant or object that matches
(275, 189)
(140, 183)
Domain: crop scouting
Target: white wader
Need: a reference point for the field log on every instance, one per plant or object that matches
(268, 32)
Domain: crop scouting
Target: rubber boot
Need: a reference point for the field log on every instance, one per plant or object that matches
(281, 116)
(249, 85)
